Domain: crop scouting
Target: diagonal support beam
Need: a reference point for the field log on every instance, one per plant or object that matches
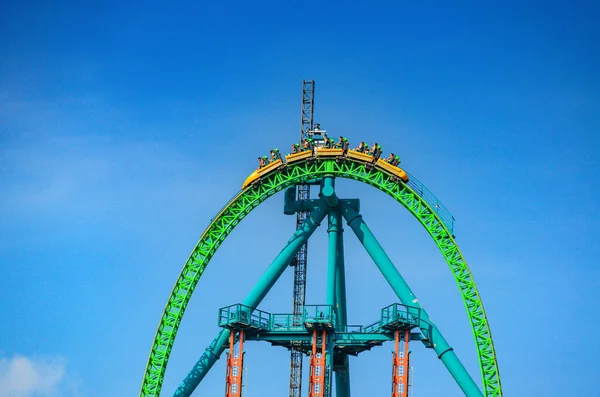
(256, 295)
(406, 296)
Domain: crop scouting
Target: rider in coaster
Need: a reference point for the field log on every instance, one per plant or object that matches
(377, 152)
(340, 143)
(305, 145)
(261, 162)
(361, 147)
(345, 145)
(373, 148)
(390, 158)
(395, 161)
(295, 148)
(275, 155)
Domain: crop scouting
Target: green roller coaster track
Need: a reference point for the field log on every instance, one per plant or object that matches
(248, 199)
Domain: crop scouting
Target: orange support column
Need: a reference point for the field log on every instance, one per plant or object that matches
(316, 386)
(400, 366)
(235, 367)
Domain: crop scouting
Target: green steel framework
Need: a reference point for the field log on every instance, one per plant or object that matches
(245, 201)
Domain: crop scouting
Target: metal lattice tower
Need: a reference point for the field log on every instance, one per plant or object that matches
(308, 102)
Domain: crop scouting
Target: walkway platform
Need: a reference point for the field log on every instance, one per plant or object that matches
(283, 329)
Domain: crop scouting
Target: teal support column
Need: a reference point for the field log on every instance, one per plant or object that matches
(328, 191)
(256, 295)
(342, 375)
(332, 230)
(403, 291)
(340, 276)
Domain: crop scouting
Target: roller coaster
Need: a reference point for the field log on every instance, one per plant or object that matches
(317, 150)
(321, 331)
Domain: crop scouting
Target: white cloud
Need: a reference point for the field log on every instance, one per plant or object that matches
(28, 377)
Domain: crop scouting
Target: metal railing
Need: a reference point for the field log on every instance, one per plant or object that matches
(319, 314)
(435, 204)
(286, 322)
(393, 316)
(397, 313)
(241, 314)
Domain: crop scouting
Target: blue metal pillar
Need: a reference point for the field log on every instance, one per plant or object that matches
(340, 277)
(403, 291)
(342, 375)
(256, 295)
(328, 194)
(328, 191)
(332, 230)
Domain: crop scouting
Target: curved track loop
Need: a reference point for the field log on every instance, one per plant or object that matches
(245, 201)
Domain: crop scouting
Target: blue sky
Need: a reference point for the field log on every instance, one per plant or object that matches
(124, 129)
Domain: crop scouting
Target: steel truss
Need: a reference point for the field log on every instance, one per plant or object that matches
(245, 201)
(301, 261)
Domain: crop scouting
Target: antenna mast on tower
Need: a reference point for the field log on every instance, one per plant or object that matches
(299, 263)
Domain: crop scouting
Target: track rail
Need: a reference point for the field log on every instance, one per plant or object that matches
(248, 199)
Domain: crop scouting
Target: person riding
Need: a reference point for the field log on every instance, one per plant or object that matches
(345, 145)
(305, 145)
(295, 148)
(373, 148)
(390, 158)
(377, 152)
(361, 147)
(367, 151)
(325, 142)
(277, 154)
(261, 162)
(340, 142)
(266, 160)
(395, 161)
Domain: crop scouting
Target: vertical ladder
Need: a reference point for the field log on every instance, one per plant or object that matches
(299, 263)
(400, 366)
(318, 372)
(235, 367)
